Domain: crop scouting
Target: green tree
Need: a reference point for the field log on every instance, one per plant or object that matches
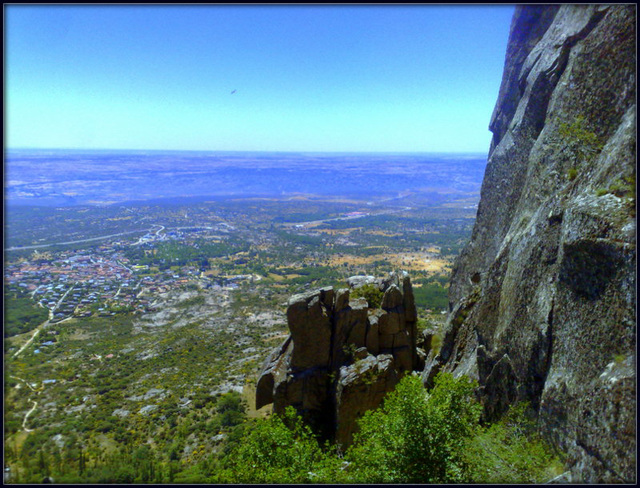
(281, 449)
(230, 401)
(417, 437)
(231, 409)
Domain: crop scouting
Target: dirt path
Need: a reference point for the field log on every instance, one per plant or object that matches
(35, 403)
(35, 333)
(24, 422)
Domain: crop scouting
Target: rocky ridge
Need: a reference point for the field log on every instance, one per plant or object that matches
(542, 299)
(342, 356)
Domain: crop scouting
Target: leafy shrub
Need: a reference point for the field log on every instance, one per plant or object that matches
(417, 437)
(371, 293)
(435, 437)
(281, 449)
(231, 418)
(230, 401)
(572, 174)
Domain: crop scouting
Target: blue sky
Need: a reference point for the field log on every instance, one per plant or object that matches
(413, 78)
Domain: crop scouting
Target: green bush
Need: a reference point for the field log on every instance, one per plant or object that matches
(369, 292)
(230, 401)
(435, 437)
(276, 450)
(417, 437)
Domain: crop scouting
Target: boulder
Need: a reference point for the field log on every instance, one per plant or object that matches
(361, 387)
(361, 280)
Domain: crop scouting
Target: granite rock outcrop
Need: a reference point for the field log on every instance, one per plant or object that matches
(542, 299)
(342, 356)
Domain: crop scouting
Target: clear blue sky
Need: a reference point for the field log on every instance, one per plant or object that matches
(307, 78)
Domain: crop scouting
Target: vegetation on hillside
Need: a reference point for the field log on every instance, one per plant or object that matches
(23, 315)
(415, 437)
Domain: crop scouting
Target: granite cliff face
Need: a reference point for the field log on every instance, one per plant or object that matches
(342, 356)
(543, 299)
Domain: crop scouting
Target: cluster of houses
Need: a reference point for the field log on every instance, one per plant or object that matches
(82, 284)
(99, 281)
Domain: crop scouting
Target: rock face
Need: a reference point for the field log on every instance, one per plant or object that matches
(342, 356)
(542, 299)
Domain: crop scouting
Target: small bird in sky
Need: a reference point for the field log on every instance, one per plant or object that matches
(233, 92)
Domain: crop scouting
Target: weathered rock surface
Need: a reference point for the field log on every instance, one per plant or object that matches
(542, 299)
(361, 387)
(342, 356)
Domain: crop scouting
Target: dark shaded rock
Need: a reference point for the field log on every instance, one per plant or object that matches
(342, 299)
(411, 318)
(390, 323)
(403, 357)
(327, 296)
(308, 392)
(422, 359)
(408, 300)
(274, 370)
(373, 331)
(360, 353)
(392, 298)
(349, 328)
